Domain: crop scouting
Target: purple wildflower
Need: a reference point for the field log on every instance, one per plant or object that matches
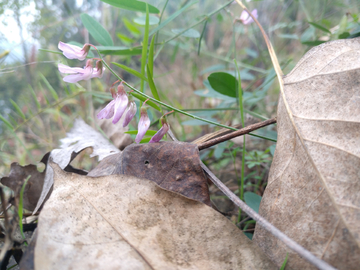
(130, 113)
(143, 125)
(74, 52)
(116, 107)
(78, 74)
(162, 131)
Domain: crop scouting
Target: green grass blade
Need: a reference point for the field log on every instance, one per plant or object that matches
(172, 17)
(51, 89)
(35, 97)
(284, 263)
(131, 71)
(21, 208)
(7, 123)
(201, 36)
(318, 26)
(96, 30)
(18, 110)
(152, 84)
(151, 56)
(144, 49)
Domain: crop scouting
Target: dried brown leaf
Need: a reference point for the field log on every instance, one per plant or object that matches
(174, 166)
(123, 222)
(33, 188)
(313, 192)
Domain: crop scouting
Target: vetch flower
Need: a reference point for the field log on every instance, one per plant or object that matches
(116, 107)
(143, 125)
(245, 17)
(99, 70)
(162, 131)
(130, 113)
(74, 52)
(78, 74)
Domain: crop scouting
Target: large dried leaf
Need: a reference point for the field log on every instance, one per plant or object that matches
(313, 194)
(123, 222)
(80, 137)
(174, 166)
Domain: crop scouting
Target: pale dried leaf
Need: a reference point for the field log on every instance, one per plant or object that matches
(80, 137)
(313, 192)
(123, 222)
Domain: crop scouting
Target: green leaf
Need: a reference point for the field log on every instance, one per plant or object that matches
(151, 56)
(224, 83)
(131, 28)
(284, 263)
(344, 35)
(135, 132)
(252, 200)
(145, 140)
(131, 71)
(7, 123)
(318, 26)
(125, 39)
(17, 108)
(172, 17)
(152, 84)
(96, 30)
(142, 20)
(149, 102)
(48, 85)
(114, 50)
(313, 43)
(131, 5)
(191, 33)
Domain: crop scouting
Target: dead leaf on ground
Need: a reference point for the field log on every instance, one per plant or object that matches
(80, 137)
(174, 166)
(122, 222)
(313, 192)
(33, 188)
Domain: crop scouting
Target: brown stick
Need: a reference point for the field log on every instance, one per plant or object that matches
(237, 133)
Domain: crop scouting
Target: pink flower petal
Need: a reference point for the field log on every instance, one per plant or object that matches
(107, 112)
(130, 113)
(143, 126)
(121, 103)
(158, 136)
(74, 78)
(70, 70)
(72, 51)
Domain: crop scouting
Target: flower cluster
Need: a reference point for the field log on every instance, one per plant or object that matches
(116, 107)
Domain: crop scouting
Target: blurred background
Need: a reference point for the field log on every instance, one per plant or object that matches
(37, 108)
